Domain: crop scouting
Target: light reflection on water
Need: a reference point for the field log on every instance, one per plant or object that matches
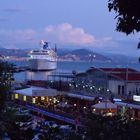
(30, 75)
(68, 67)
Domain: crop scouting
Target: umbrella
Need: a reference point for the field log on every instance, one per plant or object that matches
(105, 105)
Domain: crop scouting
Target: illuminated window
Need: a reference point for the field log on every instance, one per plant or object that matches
(54, 100)
(16, 96)
(24, 98)
(34, 101)
(42, 98)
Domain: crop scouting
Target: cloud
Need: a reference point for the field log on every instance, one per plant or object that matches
(17, 37)
(106, 42)
(66, 34)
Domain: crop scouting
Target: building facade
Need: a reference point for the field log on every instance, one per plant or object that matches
(121, 82)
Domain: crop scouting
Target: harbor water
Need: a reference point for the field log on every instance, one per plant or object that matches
(67, 67)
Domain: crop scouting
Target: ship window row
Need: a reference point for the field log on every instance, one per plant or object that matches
(40, 57)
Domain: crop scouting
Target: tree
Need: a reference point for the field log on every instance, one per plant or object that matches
(128, 15)
(6, 74)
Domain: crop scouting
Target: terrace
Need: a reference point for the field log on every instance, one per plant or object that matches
(67, 107)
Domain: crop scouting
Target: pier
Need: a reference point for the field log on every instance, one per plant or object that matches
(20, 69)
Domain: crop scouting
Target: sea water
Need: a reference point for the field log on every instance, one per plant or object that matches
(68, 67)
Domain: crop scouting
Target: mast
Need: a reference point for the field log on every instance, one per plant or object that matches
(55, 49)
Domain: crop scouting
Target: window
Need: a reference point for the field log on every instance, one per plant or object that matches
(122, 90)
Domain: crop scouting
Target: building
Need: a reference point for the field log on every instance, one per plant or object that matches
(35, 94)
(130, 108)
(122, 82)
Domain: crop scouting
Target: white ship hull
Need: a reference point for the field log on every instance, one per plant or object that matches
(44, 59)
(42, 65)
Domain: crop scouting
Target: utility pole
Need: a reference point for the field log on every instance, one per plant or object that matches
(126, 80)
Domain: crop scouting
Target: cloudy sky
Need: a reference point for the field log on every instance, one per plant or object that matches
(69, 23)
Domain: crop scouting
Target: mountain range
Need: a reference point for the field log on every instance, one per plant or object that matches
(75, 55)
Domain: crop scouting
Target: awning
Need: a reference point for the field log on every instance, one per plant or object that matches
(128, 105)
(105, 105)
(84, 97)
(37, 91)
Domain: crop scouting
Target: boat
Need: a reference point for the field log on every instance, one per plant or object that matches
(44, 59)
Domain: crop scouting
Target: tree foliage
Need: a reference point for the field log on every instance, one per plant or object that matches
(128, 15)
(6, 74)
(112, 128)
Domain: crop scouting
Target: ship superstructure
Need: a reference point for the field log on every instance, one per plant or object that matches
(43, 59)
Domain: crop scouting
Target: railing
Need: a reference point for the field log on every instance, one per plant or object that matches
(52, 115)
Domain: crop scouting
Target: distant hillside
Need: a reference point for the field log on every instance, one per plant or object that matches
(84, 55)
(13, 52)
(61, 52)
(117, 58)
(75, 55)
(1, 48)
(82, 52)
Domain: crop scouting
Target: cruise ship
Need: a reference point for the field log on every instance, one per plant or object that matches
(44, 59)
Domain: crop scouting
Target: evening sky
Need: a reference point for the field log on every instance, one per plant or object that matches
(69, 23)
